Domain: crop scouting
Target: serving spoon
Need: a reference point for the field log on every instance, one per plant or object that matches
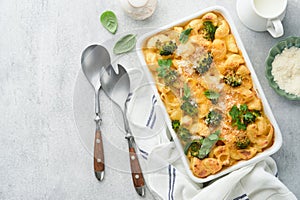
(94, 59)
(117, 88)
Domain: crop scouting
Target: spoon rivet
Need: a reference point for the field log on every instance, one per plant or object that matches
(132, 157)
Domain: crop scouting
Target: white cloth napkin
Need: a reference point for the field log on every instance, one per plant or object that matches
(164, 171)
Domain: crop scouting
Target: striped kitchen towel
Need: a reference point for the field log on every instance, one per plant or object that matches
(164, 171)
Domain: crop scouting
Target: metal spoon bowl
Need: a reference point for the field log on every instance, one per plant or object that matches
(93, 60)
(117, 88)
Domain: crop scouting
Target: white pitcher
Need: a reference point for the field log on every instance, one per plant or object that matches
(263, 15)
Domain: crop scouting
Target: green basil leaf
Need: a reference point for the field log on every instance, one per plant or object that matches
(184, 36)
(186, 147)
(186, 92)
(213, 137)
(125, 44)
(164, 67)
(208, 143)
(109, 21)
(165, 63)
(212, 95)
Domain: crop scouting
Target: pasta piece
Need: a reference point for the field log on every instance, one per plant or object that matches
(211, 17)
(203, 84)
(247, 83)
(185, 50)
(222, 154)
(260, 133)
(198, 168)
(178, 29)
(262, 126)
(195, 25)
(242, 154)
(242, 71)
(203, 109)
(152, 41)
(222, 68)
(162, 88)
(234, 60)
(230, 43)
(199, 40)
(186, 120)
(223, 30)
(199, 128)
(200, 98)
(246, 94)
(218, 49)
(176, 114)
(171, 100)
(246, 154)
(264, 142)
(151, 59)
(212, 164)
(203, 168)
(255, 104)
(173, 35)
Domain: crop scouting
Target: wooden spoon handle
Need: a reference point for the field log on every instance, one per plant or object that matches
(136, 171)
(98, 156)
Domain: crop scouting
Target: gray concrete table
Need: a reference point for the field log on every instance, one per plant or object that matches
(40, 46)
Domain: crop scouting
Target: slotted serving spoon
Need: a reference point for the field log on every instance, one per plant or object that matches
(117, 87)
(94, 59)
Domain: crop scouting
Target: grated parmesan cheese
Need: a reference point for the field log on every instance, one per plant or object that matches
(286, 70)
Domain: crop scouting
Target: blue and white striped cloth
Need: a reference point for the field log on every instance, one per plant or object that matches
(166, 176)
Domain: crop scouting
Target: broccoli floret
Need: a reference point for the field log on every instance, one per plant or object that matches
(167, 48)
(164, 67)
(233, 80)
(204, 63)
(242, 116)
(193, 147)
(189, 107)
(164, 71)
(249, 117)
(213, 118)
(175, 125)
(170, 78)
(183, 133)
(209, 30)
(242, 142)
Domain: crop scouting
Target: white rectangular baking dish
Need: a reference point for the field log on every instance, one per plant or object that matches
(277, 133)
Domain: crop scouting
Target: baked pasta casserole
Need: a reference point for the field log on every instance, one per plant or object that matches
(206, 87)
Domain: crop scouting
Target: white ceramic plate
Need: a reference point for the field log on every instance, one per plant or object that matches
(278, 138)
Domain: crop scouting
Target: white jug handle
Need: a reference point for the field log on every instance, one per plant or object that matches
(275, 28)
